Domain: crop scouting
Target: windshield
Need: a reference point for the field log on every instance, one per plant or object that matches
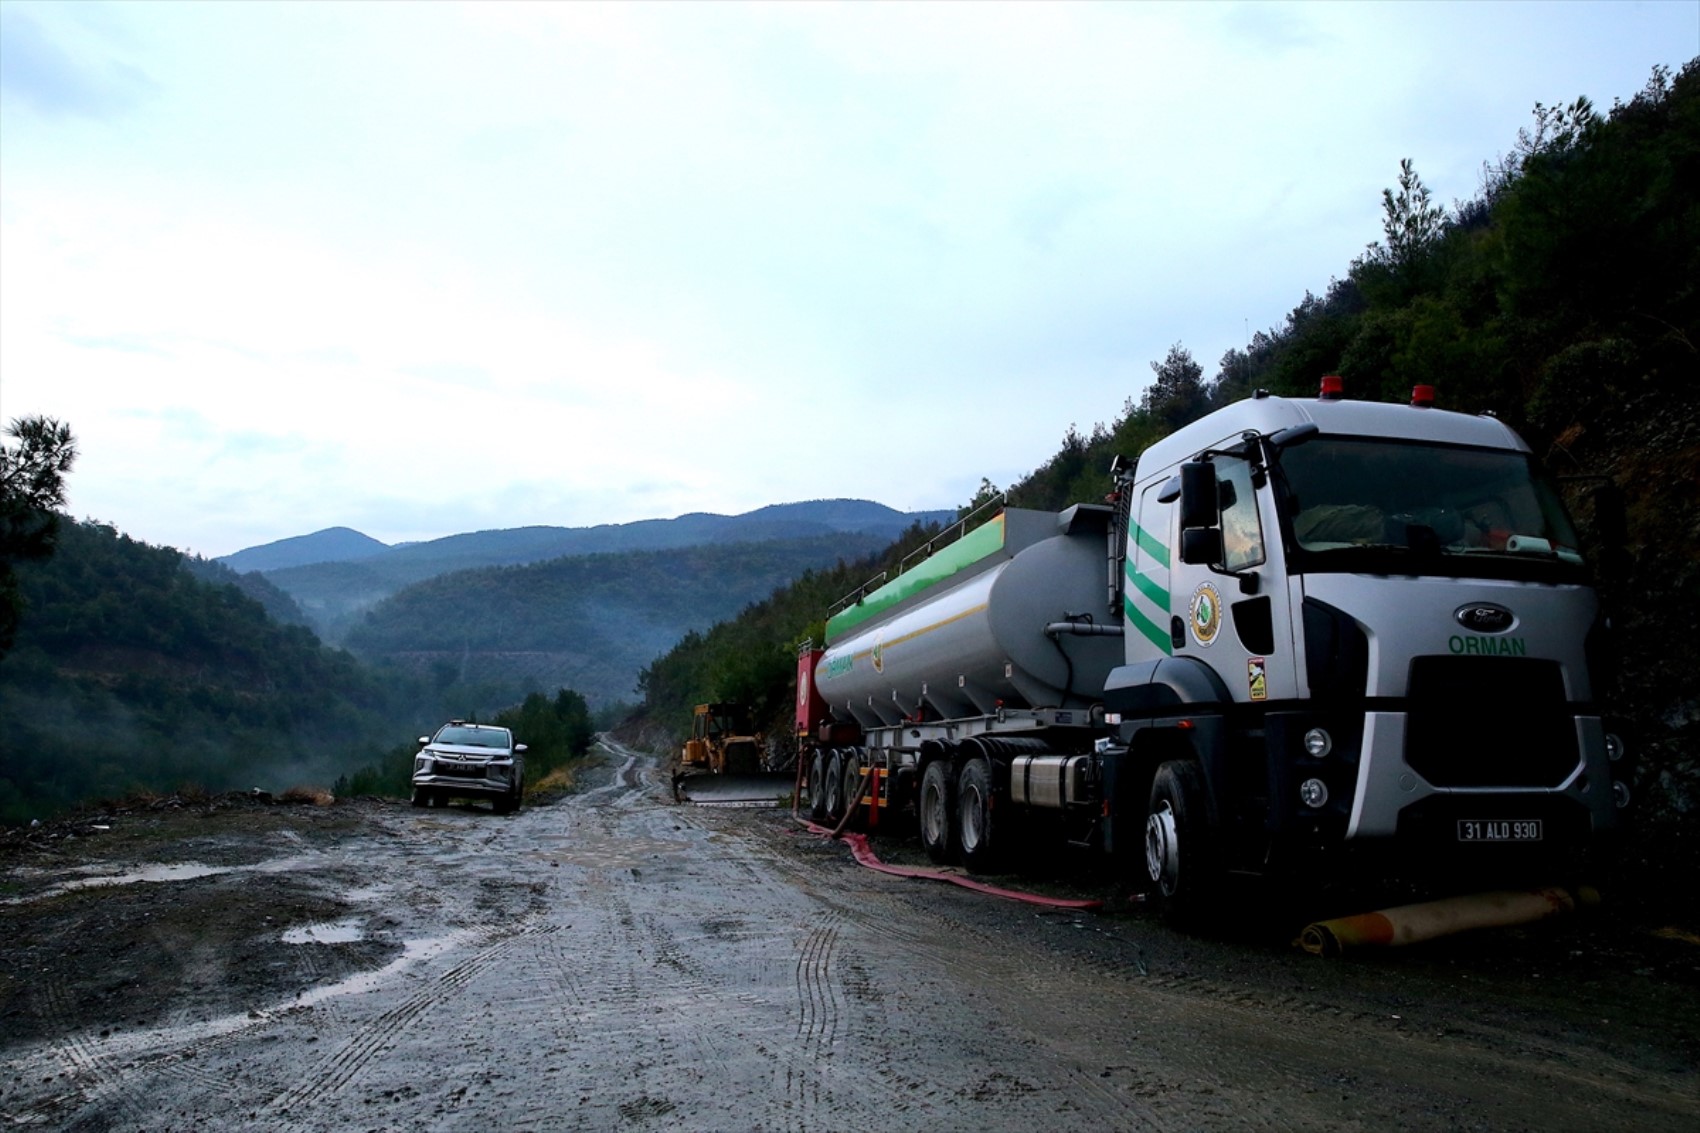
(464, 736)
(1360, 504)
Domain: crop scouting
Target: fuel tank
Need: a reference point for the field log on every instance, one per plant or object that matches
(1017, 613)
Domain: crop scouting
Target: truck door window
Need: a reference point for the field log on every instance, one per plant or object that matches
(1242, 532)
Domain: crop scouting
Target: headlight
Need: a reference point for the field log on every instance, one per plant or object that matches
(1318, 743)
(1614, 746)
(1313, 792)
(1620, 793)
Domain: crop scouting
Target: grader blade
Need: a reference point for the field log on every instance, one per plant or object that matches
(753, 790)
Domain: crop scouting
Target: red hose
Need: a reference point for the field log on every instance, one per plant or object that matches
(865, 855)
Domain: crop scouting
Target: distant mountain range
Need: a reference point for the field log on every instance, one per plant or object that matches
(332, 545)
(338, 574)
(590, 623)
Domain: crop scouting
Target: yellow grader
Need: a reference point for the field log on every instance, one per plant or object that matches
(724, 762)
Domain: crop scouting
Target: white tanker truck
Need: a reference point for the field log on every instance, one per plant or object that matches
(1303, 635)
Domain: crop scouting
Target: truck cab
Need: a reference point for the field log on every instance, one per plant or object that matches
(1365, 630)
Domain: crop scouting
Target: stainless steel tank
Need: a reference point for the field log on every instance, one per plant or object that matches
(993, 633)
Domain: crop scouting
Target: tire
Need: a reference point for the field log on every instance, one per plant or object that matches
(835, 787)
(1180, 855)
(817, 786)
(852, 779)
(935, 810)
(420, 796)
(976, 832)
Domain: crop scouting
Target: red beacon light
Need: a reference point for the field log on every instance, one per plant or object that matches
(1422, 397)
(1333, 388)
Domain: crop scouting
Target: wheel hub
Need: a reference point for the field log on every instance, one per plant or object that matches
(971, 804)
(1163, 849)
(933, 816)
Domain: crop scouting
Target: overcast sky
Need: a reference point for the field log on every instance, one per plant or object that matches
(420, 269)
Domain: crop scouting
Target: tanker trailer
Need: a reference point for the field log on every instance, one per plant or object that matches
(985, 663)
(1311, 639)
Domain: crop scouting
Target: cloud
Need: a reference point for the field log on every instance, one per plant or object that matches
(1270, 28)
(36, 70)
(418, 269)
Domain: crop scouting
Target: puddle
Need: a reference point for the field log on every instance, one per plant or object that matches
(346, 931)
(412, 952)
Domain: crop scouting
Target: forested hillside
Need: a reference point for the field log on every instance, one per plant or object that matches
(589, 622)
(128, 671)
(277, 603)
(1564, 297)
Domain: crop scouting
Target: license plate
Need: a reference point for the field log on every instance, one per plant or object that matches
(1499, 830)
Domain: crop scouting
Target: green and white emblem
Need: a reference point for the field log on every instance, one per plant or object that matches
(1206, 614)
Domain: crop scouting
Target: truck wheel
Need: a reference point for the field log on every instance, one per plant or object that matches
(817, 786)
(975, 832)
(1179, 855)
(852, 779)
(835, 787)
(937, 810)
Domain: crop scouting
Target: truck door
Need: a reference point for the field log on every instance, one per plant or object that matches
(1231, 631)
(1146, 604)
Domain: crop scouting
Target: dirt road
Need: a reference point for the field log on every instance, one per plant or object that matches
(614, 960)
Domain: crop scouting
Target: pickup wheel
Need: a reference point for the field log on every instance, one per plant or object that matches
(1180, 855)
(936, 810)
(835, 787)
(421, 797)
(817, 786)
(976, 832)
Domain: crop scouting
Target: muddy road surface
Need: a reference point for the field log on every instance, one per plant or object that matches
(614, 960)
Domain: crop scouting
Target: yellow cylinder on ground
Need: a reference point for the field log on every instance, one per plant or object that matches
(1409, 924)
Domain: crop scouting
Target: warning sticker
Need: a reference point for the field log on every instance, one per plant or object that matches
(1256, 678)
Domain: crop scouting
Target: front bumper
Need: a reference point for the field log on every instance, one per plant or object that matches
(496, 777)
(462, 786)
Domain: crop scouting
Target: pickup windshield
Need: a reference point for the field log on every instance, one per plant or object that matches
(497, 738)
(1377, 505)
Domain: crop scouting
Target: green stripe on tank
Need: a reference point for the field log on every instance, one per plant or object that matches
(1154, 634)
(1149, 543)
(1157, 594)
(983, 541)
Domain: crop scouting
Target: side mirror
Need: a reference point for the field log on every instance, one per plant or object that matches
(518, 748)
(424, 739)
(1200, 506)
(1201, 545)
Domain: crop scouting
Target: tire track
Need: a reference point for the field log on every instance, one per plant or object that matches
(83, 1060)
(818, 1011)
(343, 1065)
